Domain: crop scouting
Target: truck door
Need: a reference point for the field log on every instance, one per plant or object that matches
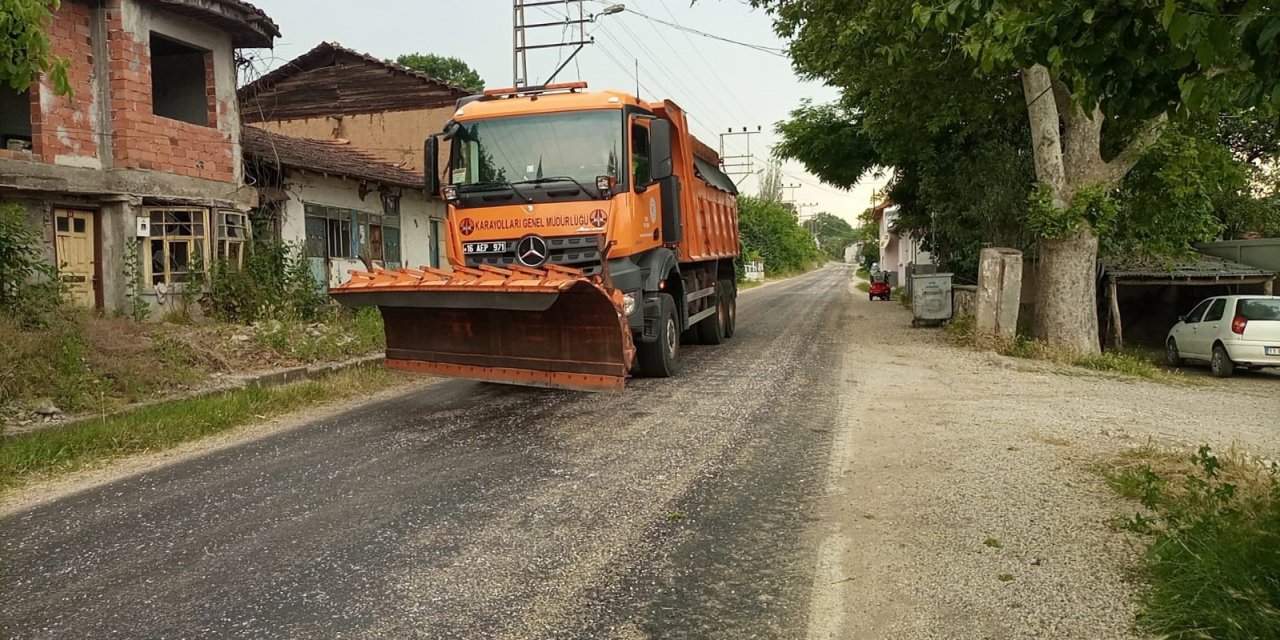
(648, 198)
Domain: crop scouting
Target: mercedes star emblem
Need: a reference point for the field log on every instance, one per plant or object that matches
(531, 251)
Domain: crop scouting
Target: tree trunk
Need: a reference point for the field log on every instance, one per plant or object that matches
(1067, 313)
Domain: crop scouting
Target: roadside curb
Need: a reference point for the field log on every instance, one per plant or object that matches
(221, 385)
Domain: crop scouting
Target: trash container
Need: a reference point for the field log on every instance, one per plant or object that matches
(931, 298)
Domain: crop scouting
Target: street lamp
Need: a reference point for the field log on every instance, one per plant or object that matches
(609, 10)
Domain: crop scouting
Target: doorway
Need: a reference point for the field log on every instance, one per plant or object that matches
(76, 248)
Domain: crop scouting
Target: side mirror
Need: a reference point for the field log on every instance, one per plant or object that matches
(431, 166)
(1182, 318)
(663, 166)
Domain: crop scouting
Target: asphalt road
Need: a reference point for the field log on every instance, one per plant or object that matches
(677, 509)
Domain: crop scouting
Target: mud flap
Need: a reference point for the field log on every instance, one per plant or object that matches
(548, 328)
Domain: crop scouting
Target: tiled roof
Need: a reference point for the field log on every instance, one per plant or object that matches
(322, 53)
(324, 156)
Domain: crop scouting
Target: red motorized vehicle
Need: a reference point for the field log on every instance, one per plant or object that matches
(879, 289)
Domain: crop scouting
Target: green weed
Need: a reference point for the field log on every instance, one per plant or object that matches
(65, 449)
(1213, 527)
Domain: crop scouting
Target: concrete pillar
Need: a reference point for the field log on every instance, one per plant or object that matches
(999, 292)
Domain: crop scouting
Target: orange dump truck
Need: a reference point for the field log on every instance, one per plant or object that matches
(590, 235)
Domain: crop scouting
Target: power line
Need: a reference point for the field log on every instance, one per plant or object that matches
(774, 51)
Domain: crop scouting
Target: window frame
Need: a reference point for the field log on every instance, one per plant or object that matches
(198, 245)
(1193, 317)
(1221, 305)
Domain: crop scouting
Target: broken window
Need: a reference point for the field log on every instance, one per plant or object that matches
(15, 119)
(344, 233)
(177, 244)
(233, 235)
(178, 84)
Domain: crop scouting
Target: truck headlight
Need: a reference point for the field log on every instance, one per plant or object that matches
(628, 303)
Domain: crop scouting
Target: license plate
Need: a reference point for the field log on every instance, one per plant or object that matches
(1273, 351)
(484, 247)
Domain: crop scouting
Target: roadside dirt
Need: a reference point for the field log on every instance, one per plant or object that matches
(962, 499)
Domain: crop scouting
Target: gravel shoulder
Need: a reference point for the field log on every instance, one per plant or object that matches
(961, 500)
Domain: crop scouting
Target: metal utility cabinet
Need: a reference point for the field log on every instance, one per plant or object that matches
(931, 298)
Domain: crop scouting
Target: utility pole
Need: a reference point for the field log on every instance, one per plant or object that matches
(808, 224)
(520, 28)
(790, 187)
(741, 165)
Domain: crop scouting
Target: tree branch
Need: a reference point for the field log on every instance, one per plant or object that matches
(1148, 134)
(1046, 141)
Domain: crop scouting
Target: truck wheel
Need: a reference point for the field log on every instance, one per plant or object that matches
(730, 301)
(711, 330)
(658, 358)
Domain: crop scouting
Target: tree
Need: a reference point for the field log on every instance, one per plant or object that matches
(832, 232)
(770, 230)
(771, 183)
(25, 51)
(1097, 84)
(444, 68)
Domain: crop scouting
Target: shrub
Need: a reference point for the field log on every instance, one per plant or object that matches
(29, 287)
(1213, 524)
(274, 283)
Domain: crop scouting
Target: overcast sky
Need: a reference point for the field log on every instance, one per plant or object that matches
(721, 85)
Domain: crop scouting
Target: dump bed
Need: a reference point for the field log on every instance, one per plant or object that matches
(708, 201)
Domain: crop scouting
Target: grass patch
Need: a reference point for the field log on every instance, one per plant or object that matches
(60, 450)
(900, 294)
(1212, 524)
(863, 287)
(963, 331)
(993, 543)
(863, 273)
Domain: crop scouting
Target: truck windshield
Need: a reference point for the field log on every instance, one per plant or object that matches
(580, 145)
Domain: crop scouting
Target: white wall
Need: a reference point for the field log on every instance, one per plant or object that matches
(416, 212)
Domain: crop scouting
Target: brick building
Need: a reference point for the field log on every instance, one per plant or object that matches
(140, 165)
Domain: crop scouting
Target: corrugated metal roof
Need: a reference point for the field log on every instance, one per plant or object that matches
(1199, 267)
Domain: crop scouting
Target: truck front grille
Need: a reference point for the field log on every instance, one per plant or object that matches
(579, 252)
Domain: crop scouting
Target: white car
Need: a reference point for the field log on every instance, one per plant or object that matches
(1228, 332)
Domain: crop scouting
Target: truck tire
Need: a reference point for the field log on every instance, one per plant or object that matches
(658, 358)
(711, 330)
(730, 300)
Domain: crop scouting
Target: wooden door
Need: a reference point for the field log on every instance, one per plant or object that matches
(75, 247)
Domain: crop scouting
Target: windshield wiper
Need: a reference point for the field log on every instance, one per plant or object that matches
(476, 186)
(536, 181)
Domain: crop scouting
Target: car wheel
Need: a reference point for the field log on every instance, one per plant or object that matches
(1171, 354)
(1221, 364)
(658, 358)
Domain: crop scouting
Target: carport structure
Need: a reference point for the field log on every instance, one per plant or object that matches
(1168, 282)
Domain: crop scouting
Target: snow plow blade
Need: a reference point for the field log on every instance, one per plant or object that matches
(550, 327)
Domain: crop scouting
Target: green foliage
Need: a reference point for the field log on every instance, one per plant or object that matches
(1179, 194)
(1093, 207)
(29, 287)
(447, 68)
(274, 283)
(833, 232)
(830, 141)
(772, 231)
(135, 282)
(25, 51)
(1214, 552)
